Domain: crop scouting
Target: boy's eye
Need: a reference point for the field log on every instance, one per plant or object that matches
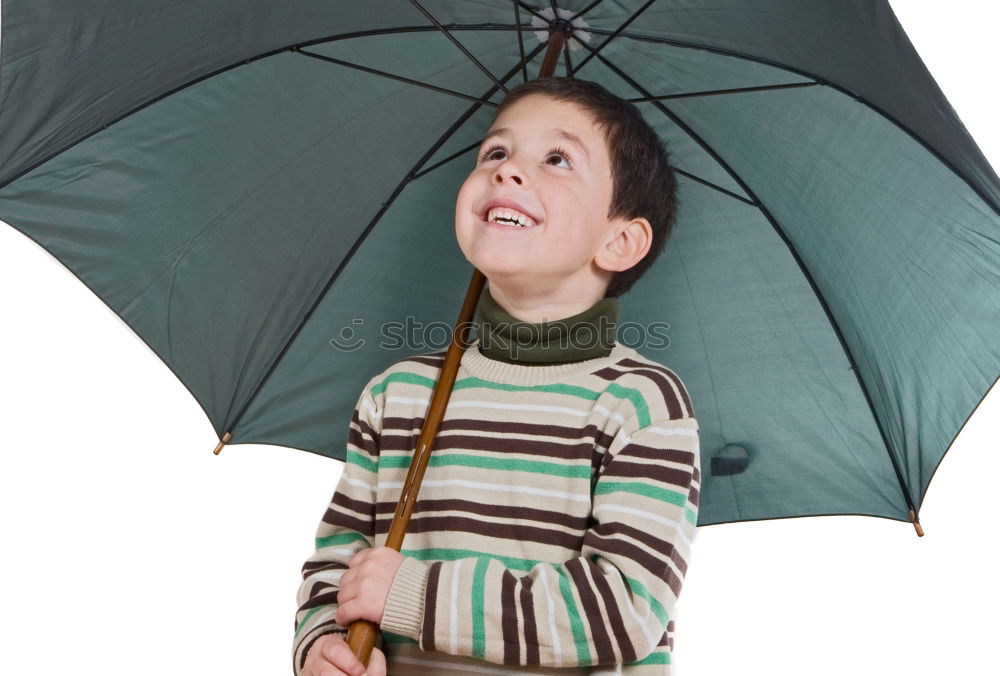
(490, 153)
(496, 152)
(559, 154)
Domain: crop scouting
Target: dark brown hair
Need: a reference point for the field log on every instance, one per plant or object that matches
(643, 182)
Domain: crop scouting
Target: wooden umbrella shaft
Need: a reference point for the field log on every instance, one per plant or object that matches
(362, 634)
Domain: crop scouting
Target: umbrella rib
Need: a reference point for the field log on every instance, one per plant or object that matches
(458, 44)
(364, 234)
(802, 267)
(569, 63)
(400, 78)
(406, 29)
(714, 92)
(586, 9)
(713, 186)
(520, 40)
(446, 160)
(616, 33)
(534, 11)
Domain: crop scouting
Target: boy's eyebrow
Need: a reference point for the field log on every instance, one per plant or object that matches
(557, 133)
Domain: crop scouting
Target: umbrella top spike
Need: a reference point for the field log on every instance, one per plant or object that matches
(561, 22)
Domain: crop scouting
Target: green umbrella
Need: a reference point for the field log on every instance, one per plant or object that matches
(265, 194)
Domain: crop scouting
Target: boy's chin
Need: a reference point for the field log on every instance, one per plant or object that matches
(505, 275)
(515, 286)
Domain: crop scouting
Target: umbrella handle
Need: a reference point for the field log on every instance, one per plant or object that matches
(361, 637)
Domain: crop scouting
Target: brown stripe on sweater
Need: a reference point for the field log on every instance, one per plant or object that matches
(530, 629)
(502, 531)
(678, 558)
(665, 383)
(426, 360)
(508, 619)
(663, 377)
(319, 566)
(359, 506)
(324, 599)
(612, 528)
(510, 444)
(333, 628)
(618, 629)
(649, 453)
(578, 523)
(592, 611)
(337, 518)
(693, 495)
(657, 568)
(591, 435)
(663, 639)
(659, 454)
(671, 476)
(427, 628)
(364, 426)
(362, 436)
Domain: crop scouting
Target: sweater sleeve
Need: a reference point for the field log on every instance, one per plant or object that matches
(347, 527)
(609, 605)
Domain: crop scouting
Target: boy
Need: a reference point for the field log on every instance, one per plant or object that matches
(554, 524)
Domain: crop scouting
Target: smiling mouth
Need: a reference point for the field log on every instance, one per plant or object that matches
(510, 218)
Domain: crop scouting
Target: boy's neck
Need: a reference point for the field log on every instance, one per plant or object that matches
(553, 306)
(588, 334)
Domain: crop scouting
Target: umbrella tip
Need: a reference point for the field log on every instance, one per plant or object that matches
(916, 523)
(225, 439)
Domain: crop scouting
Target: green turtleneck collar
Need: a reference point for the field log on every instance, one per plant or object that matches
(587, 335)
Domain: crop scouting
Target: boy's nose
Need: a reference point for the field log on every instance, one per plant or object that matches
(507, 171)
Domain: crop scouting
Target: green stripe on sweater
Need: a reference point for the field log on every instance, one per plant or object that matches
(312, 611)
(358, 460)
(479, 608)
(652, 658)
(639, 589)
(402, 377)
(575, 621)
(339, 539)
(634, 396)
(631, 394)
(645, 490)
(444, 459)
(396, 639)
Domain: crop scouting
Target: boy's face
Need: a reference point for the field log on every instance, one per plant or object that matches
(545, 159)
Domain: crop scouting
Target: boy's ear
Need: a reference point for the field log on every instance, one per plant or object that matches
(629, 241)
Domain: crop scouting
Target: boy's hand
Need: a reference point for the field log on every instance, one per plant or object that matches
(331, 656)
(364, 587)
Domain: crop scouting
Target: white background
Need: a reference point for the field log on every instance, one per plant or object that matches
(130, 549)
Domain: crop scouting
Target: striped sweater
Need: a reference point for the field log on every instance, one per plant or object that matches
(553, 527)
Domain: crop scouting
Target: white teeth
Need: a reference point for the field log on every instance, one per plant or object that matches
(510, 217)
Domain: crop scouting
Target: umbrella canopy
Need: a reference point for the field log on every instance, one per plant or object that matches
(265, 194)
